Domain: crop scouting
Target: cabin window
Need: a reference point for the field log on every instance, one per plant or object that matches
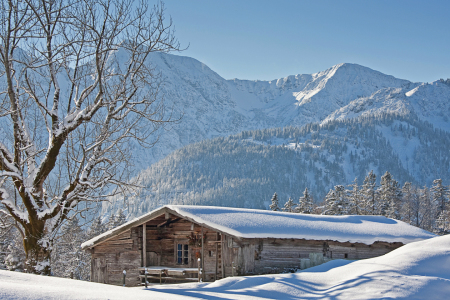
(182, 254)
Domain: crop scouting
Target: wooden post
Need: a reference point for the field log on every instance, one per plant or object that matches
(124, 275)
(222, 254)
(71, 275)
(199, 270)
(144, 244)
(92, 266)
(217, 262)
(145, 277)
(203, 258)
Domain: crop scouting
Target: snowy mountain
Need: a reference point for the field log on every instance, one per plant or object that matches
(341, 123)
(212, 106)
(245, 170)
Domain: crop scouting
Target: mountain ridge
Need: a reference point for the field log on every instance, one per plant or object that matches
(244, 170)
(183, 166)
(212, 106)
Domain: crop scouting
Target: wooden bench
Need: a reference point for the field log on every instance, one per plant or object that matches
(169, 273)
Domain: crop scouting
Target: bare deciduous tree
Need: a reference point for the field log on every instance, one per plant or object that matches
(76, 88)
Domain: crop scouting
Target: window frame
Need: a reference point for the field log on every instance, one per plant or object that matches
(185, 253)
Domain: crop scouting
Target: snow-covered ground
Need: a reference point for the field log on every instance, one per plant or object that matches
(419, 270)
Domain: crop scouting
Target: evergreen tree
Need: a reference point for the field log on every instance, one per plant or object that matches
(289, 206)
(408, 197)
(354, 199)
(440, 196)
(390, 197)
(369, 194)
(416, 208)
(119, 218)
(330, 199)
(306, 203)
(335, 201)
(111, 222)
(442, 225)
(426, 205)
(274, 206)
(67, 257)
(97, 228)
(391, 211)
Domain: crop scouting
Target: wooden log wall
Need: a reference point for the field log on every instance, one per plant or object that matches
(111, 258)
(163, 235)
(263, 256)
(230, 255)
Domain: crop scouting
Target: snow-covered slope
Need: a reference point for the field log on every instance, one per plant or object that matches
(212, 106)
(245, 170)
(418, 270)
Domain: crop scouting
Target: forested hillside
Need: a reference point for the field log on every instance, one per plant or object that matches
(245, 170)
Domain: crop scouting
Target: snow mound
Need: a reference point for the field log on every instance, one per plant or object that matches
(418, 270)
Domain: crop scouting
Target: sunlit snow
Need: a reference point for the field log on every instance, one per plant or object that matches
(416, 271)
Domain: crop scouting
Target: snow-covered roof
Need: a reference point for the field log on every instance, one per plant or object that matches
(253, 223)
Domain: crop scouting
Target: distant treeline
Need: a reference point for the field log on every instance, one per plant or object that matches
(427, 208)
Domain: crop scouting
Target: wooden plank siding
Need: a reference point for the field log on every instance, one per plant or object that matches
(263, 256)
(111, 258)
(162, 242)
(125, 251)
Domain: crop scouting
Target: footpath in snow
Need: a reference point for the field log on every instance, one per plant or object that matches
(419, 270)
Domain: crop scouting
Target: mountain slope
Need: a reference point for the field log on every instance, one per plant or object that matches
(212, 106)
(244, 170)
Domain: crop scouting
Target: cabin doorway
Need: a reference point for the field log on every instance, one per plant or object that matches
(153, 259)
(99, 270)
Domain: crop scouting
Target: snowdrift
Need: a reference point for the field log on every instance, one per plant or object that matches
(419, 270)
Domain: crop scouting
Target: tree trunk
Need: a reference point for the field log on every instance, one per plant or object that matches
(37, 249)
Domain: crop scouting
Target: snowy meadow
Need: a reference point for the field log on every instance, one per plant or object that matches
(418, 270)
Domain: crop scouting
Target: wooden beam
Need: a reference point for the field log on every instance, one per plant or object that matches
(222, 255)
(169, 221)
(144, 244)
(92, 269)
(217, 262)
(203, 258)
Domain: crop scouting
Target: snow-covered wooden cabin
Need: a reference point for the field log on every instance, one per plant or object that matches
(236, 241)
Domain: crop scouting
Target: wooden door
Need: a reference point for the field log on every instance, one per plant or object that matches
(100, 270)
(153, 259)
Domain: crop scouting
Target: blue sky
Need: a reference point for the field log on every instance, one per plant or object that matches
(266, 40)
